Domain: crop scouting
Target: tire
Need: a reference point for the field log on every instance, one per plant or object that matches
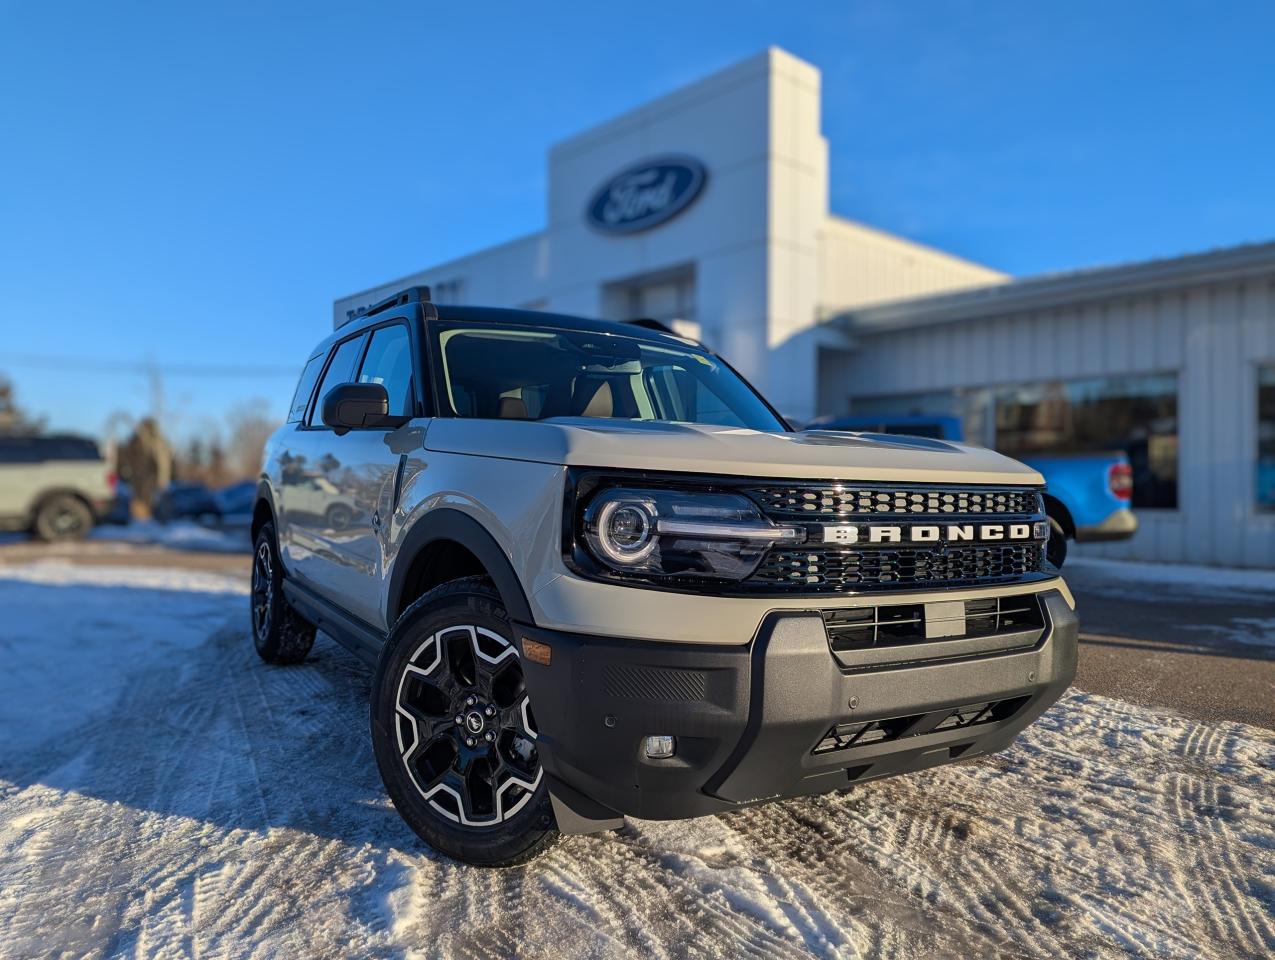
(1056, 549)
(280, 634)
(452, 657)
(62, 517)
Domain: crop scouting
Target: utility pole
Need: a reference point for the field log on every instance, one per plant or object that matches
(160, 452)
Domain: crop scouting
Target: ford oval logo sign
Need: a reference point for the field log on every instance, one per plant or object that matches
(646, 195)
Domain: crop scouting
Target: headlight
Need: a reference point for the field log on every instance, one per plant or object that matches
(674, 534)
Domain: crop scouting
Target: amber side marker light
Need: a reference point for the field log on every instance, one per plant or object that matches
(537, 652)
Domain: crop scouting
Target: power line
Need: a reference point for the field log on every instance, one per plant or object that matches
(132, 368)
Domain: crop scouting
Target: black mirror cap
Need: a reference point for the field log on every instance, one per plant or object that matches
(357, 406)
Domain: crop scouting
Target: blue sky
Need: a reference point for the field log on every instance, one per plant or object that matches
(194, 184)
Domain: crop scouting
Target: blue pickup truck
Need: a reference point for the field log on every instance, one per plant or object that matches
(1086, 494)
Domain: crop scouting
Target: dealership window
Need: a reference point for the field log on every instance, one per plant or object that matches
(971, 405)
(1137, 414)
(1266, 437)
(667, 296)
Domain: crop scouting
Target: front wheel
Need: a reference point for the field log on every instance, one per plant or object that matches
(453, 729)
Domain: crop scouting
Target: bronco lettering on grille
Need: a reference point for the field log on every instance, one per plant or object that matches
(927, 532)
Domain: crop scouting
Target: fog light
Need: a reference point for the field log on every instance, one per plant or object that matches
(660, 748)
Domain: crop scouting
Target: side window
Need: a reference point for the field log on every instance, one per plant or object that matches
(340, 370)
(67, 448)
(389, 362)
(301, 399)
(18, 450)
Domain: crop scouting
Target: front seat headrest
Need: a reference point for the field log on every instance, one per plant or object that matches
(600, 403)
(513, 408)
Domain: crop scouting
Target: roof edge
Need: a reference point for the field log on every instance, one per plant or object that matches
(1071, 287)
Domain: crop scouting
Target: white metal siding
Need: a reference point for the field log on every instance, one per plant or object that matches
(1213, 336)
(859, 265)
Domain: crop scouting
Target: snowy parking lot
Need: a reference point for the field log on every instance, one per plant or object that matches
(163, 793)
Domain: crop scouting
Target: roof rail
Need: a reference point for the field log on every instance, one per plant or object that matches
(418, 294)
(651, 324)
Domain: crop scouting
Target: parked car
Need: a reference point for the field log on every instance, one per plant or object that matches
(120, 511)
(598, 575)
(1087, 495)
(185, 501)
(235, 503)
(57, 487)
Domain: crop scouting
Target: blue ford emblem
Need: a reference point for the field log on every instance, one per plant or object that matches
(646, 194)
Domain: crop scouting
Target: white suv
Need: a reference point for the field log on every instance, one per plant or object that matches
(599, 576)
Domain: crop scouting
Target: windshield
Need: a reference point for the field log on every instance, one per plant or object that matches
(534, 373)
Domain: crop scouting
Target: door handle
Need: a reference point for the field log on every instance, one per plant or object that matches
(376, 519)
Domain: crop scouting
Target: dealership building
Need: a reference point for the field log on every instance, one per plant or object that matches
(707, 209)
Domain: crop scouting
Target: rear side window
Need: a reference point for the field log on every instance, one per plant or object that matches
(389, 362)
(18, 450)
(305, 388)
(70, 448)
(340, 370)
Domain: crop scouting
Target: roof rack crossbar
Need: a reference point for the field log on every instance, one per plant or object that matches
(417, 294)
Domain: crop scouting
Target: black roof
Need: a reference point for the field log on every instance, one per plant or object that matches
(536, 318)
(514, 318)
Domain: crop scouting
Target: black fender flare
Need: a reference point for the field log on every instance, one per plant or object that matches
(1059, 511)
(264, 493)
(449, 524)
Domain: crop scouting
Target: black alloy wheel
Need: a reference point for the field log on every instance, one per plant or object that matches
(280, 634)
(454, 731)
(465, 732)
(262, 590)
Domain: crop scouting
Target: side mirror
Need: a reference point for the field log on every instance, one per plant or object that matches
(358, 406)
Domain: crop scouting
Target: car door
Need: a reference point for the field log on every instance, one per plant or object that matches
(361, 477)
(305, 485)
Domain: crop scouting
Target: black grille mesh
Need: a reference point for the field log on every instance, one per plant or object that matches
(829, 569)
(823, 502)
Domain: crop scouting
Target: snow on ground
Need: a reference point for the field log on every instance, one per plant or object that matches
(164, 794)
(178, 535)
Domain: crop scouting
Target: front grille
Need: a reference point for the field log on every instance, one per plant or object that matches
(821, 569)
(846, 736)
(832, 502)
(1018, 617)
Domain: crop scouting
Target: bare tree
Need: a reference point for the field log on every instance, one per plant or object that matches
(13, 419)
(248, 430)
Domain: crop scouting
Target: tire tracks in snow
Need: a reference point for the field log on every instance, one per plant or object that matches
(218, 807)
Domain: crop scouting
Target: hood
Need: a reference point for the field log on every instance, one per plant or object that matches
(732, 451)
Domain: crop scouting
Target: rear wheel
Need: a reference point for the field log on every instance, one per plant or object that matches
(453, 729)
(63, 517)
(280, 634)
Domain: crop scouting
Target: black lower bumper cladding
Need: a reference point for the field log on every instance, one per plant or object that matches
(777, 717)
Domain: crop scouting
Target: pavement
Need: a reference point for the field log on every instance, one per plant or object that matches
(1205, 650)
(1207, 653)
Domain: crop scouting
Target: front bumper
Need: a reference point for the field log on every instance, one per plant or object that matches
(753, 721)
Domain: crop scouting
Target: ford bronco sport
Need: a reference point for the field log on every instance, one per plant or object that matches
(598, 576)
